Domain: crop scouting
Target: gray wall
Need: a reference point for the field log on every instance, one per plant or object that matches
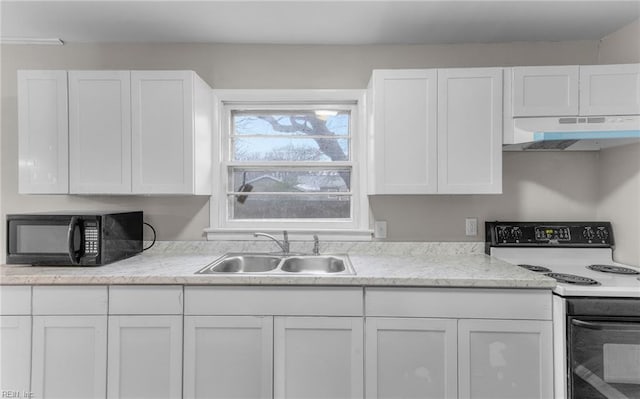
(533, 189)
(619, 168)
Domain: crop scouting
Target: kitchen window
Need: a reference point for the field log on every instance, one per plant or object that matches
(290, 160)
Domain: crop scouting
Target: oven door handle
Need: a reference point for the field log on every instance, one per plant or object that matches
(603, 326)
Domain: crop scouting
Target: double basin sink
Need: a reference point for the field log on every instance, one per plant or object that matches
(261, 263)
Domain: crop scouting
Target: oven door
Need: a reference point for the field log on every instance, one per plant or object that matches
(604, 357)
(44, 240)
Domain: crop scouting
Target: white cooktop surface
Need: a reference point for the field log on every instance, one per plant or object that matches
(575, 261)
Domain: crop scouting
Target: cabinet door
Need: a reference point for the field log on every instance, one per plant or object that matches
(470, 131)
(411, 358)
(610, 89)
(69, 358)
(15, 346)
(228, 357)
(43, 132)
(505, 359)
(145, 357)
(404, 132)
(99, 132)
(318, 357)
(545, 91)
(162, 134)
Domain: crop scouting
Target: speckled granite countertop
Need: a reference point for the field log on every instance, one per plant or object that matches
(376, 264)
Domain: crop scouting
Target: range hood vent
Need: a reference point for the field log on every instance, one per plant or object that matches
(572, 133)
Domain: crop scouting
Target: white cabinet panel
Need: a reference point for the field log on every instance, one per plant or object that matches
(145, 299)
(145, 357)
(15, 300)
(478, 303)
(15, 347)
(70, 299)
(545, 91)
(470, 130)
(69, 357)
(171, 137)
(505, 359)
(228, 357)
(411, 358)
(43, 132)
(100, 132)
(610, 89)
(404, 131)
(275, 300)
(161, 138)
(318, 357)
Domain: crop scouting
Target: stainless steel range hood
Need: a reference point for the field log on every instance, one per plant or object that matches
(571, 133)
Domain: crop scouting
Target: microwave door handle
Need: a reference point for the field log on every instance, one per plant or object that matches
(603, 326)
(71, 235)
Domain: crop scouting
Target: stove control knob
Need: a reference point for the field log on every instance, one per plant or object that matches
(516, 233)
(602, 234)
(588, 233)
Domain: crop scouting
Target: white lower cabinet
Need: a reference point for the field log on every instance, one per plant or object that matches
(267, 341)
(15, 339)
(69, 358)
(508, 359)
(69, 342)
(458, 343)
(276, 342)
(411, 358)
(145, 357)
(318, 357)
(15, 347)
(228, 357)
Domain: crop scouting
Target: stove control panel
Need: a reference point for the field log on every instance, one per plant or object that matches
(549, 234)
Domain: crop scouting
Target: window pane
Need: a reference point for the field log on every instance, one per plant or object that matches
(292, 180)
(291, 149)
(318, 206)
(318, 123)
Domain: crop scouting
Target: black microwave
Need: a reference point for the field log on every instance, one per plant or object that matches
(73, 238)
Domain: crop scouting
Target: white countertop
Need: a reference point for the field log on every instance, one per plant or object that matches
(376, 264)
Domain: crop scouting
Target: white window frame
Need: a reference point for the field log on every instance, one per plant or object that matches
(221, 228)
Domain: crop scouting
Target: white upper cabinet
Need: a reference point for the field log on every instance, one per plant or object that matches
(125, 132)
(43, 132)
(171, 140)
(470, 131)
(575, 90)
(545, 91)
(100, 132)
(404, 131)
(436, 131)
(610, 89)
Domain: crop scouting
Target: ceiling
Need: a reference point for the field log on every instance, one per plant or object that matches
(315, 21)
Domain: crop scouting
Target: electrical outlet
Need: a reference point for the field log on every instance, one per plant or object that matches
(471, 226)
(380, 229)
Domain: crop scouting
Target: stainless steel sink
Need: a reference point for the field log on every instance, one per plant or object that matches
(246, 264)
(313, 264)
(259, 263)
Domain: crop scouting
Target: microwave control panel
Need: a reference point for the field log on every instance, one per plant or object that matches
(91, 237)
(558, 234)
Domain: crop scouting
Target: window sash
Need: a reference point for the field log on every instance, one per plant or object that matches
(283, 100)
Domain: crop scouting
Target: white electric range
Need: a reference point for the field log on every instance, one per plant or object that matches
(596, 303)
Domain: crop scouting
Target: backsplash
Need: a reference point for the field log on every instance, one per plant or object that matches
(327, 247)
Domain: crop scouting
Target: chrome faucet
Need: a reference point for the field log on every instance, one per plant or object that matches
(284, 244)
(316, 245)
